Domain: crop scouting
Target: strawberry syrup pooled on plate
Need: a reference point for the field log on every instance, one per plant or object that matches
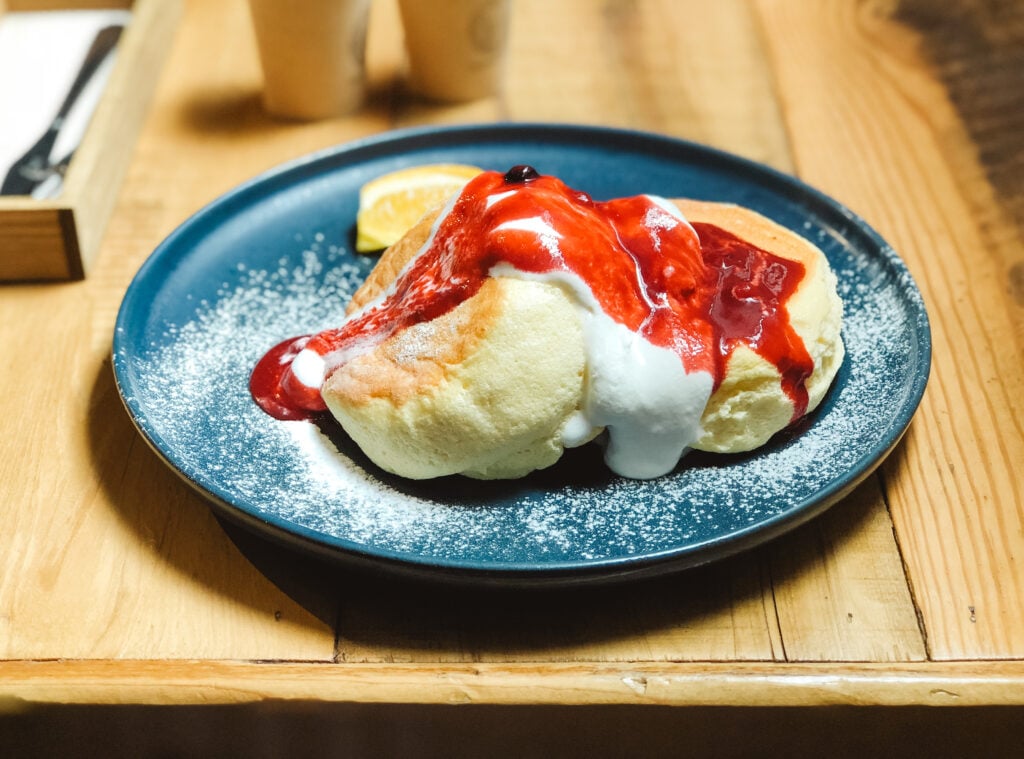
(697, 290)
(270, 388)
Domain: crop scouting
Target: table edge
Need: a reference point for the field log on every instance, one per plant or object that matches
(193, 682)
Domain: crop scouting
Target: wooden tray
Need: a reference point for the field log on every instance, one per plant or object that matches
(58, 238)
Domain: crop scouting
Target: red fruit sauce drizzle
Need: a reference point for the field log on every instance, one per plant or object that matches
(697, 289)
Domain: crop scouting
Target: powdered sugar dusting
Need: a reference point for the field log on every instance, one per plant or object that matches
(189, 392)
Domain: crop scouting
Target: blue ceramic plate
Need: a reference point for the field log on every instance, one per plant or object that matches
(273, 259)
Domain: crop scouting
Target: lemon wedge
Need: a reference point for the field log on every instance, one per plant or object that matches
(391, 204)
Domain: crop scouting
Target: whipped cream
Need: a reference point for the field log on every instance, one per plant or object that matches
(638, 392)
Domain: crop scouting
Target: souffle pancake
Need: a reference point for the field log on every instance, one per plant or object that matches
(524, 318)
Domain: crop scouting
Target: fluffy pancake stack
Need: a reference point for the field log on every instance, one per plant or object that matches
(494, 388)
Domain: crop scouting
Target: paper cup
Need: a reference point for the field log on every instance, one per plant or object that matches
(456, 48)
(312, 54)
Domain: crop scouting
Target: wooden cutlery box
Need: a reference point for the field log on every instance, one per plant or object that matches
(57, 238)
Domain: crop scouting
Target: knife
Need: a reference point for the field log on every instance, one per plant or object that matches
(34, 167)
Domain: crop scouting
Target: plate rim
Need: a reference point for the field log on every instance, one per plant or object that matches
(390, 144)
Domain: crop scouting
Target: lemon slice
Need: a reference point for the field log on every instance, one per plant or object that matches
(391, 204)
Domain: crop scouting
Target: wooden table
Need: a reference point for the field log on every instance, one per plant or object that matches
(117, 585)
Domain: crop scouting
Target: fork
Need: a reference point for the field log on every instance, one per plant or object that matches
(34, 167)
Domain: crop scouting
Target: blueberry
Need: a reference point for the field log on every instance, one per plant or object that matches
(520, 174)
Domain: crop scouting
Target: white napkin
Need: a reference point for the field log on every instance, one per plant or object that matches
(40, 55)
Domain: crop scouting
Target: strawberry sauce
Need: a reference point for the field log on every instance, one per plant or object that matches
(696, 290)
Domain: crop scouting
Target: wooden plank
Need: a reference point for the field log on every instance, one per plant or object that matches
(26, 228)
(95, 175)
(854, 84)
(667, 684)
(59, 5)
(716, 613)
(977, 51)
(104, 552)
(656, 65)
(840, 589)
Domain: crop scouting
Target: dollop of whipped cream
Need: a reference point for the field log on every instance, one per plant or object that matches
(640, 393)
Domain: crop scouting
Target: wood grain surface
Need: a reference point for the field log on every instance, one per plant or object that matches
(954, 492)
(116, 582)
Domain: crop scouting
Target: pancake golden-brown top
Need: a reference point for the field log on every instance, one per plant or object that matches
(420, 357)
